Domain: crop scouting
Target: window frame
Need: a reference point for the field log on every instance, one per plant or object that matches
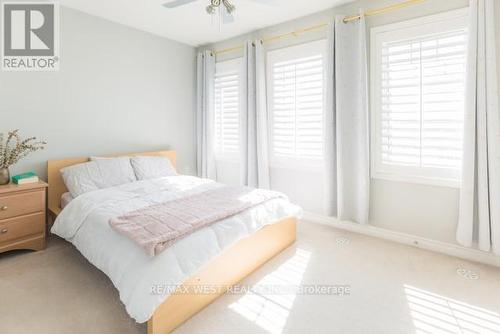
(285, 54)
(455, 19)
(229, 66)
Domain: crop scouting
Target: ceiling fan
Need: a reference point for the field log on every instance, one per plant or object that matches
(226, 8)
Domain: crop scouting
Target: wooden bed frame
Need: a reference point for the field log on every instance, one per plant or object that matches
(227, 269)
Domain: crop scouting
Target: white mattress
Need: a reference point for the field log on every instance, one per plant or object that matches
(84, 222)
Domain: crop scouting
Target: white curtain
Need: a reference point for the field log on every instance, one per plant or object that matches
(346, 123)
(205, 159)
(254, 129)
(479, 214)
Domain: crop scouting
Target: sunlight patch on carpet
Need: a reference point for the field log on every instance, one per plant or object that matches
(271, 311)
(435, 314)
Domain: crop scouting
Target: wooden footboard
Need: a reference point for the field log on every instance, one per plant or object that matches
(229, 268)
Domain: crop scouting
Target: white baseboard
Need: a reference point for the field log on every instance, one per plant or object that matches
(407, 239)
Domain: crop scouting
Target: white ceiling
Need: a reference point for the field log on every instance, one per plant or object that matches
(190, 24)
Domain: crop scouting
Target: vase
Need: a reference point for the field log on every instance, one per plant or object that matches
(4, 176)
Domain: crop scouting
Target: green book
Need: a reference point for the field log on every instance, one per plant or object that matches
(25, 178)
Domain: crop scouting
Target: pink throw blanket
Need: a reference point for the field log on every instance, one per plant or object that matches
(156, 227)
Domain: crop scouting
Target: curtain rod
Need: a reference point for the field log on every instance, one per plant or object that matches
(384, 10)
(317, 27)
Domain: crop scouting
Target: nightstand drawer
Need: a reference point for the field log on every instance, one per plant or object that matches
(21, 203)
(20, 227)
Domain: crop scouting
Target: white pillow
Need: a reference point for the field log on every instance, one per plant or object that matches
(115, 171)
(152, 167)
(99, 174)
(65, 199)
(78, 178)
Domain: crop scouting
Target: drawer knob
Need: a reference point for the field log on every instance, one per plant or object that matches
(4, 208)
(3, 231)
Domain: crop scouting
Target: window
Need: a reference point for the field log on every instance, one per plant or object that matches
(227, 109)
(418, 99)
(296, 83)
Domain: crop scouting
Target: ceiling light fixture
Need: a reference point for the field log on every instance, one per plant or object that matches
(214, 4)
(223, 9)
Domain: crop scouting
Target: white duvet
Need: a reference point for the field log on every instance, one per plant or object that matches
(84, 223)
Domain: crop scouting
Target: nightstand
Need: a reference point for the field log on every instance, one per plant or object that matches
(23, 216)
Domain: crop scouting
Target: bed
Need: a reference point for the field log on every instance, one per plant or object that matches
(243, 243)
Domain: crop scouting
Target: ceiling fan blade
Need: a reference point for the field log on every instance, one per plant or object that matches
(227, 17)
(177, 3)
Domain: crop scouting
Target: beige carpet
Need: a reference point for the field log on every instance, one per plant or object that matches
(394, 289)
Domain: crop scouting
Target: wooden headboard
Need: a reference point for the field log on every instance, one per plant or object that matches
(56, 183)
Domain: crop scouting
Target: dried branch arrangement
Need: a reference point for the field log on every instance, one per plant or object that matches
(13, 148)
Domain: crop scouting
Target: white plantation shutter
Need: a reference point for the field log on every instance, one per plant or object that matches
(227, 108)
(419, 101)
(296, 81)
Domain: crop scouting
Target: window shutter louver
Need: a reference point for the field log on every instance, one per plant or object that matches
(297, 107)
(227, 102)
(423, 89)
(419, 98)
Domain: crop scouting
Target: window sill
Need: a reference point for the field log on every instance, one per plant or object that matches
(421, 180)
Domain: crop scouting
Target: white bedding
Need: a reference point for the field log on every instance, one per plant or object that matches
(65, 199)
(84, 222)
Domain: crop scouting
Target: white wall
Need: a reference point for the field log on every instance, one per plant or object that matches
(118, 90)
(427, 211)
(497, 30)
